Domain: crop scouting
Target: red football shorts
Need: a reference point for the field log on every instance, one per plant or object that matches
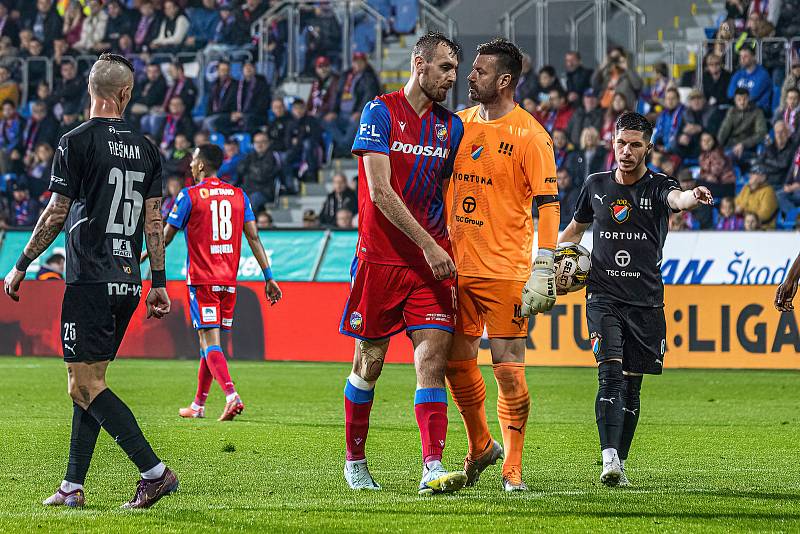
(386, 299)
(212, 306)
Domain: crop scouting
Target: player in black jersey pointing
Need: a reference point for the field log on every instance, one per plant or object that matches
(103, 176)
(630, 208)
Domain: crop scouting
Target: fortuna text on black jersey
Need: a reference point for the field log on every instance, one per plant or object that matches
(630, 224)
(108, 171)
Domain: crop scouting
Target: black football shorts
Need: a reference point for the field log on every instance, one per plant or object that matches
(94, 318)
(635, 334)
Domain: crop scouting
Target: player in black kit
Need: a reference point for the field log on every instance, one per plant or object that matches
(630, 208)
(103, 176)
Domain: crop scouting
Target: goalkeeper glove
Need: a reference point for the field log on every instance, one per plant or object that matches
(539, 293)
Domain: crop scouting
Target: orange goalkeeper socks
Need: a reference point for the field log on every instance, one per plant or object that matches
(513, 406)
(469, 393)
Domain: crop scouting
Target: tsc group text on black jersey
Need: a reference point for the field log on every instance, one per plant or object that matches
(630, 224)
(108, 171)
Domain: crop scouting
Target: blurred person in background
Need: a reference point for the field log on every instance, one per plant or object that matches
(578, 77)
(743, 128)
(260, 172)
(37, 169)
(232, 156)
(341, 197)
(174, 185)
(324, 89)
(778, 155)
(754, 78)
(567, 196)
(698, 117)
(789, 111)
(11, 129)
(9, 89)
(173, 30)
(178, 121)
(264, 220)
(728, 218)
(669, 122)
(759, 198)
(589, 159)
(716, 169)
(221, 99)
(53, 268)
(614, 77)
(587, 115)
(555, 112)
(344, 219)
(24, 210)
(751, 222)
(93, 29)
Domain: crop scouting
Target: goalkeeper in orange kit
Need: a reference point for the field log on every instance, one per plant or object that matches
(504, 163)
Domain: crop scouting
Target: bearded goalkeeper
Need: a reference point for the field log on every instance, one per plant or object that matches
(505, 162)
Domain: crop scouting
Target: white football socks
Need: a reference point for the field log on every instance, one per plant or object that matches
(69, 487)
(155, 473)
(229, 398)
(609, 455)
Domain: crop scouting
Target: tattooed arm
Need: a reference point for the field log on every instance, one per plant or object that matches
(157, 300)
(50, 224)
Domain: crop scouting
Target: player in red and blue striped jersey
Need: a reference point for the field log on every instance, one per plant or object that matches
(213, 215)
(403, 275)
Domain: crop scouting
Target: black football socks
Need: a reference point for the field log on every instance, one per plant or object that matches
(85, 430)
(609, 404)
(118, 420)
(630, 394)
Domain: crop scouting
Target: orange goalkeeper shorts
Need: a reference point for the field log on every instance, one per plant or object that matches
(496, 304)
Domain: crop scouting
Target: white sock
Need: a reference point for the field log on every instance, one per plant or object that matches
(350, 463)
(609, 455)
(432, 465)
(196, 407)
(229, 398)
(360, 383)
(622, 464)
(155, 473)
(69, 487)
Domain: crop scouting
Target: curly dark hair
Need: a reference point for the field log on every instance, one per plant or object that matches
(509, 57)
(426, 45)
(630, 120)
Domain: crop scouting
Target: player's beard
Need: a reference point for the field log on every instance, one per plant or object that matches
(485, 97)
(430, 90)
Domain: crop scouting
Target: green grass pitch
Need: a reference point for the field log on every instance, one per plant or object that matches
(715, 451)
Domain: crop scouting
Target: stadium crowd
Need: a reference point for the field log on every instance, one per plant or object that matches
(736, 132)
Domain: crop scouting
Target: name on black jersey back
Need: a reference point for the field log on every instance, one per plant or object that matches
(122, 150)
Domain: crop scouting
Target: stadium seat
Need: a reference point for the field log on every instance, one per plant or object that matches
(245, 142)
(787, 221)
(405, 15)
(217, 139)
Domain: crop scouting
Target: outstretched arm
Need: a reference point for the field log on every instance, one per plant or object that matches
(271, 289)
(158, 303)
(50, 224)
(378, 170)
(690, 199)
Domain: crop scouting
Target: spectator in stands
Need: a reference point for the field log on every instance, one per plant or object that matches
(69, 121)
(278, 127)
(62, 49)
(526, 86)
(736, 10)
(728, 219)
(253, 97)
(567, 196)
(45, 23)
(754, 78)
(252, 10)
(260, 172)
(24, 210)
(554, 113)
(789, 194)
(310, 219)
(561, 147)
(579, 78)
(724, 38)
(232, 157)
(680, 222)
(773, 53)
(147, 27)
(359, 85)
(221, 99)
(792, 79)
(8, 26)
(698, 117)
(588, 115)
(42, 127)
(73, 23)
(178, 121)
(11, 129)
(174, 186)
(173, 30)
(119, 23)
(669, 123)
(547, 80)
(202, 23)
(93, 29)
(344, 219)
(789, 112)
(181, 86)
(322, 36)
(715, 81)
(759, 198)
(342, 197)
(177, 160)
(789, 21)
(264, 220)
(778, 155)
(323, 94)
(304, 136)
(752, 222)
(9, 89)
(230, 32)
(743, 129)
(716, 169)
(701, 218)
(658, 91)
(53, 268)
(591, 157)
(37, 70)
(200, 138)
(69, 91)
(770, 10)
(614, 77)
(148, 95)
(37, 169)
(619, 105)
